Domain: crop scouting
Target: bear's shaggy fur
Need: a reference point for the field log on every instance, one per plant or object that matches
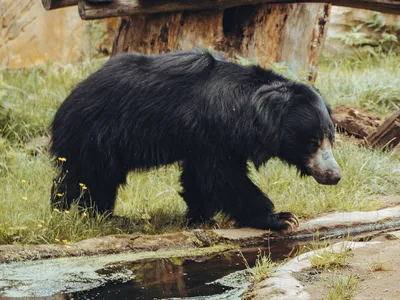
(141, 112)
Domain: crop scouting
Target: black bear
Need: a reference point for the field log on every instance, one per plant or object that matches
(194, 107)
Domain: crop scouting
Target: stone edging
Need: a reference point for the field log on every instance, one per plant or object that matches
(328, 226)
(283, 286)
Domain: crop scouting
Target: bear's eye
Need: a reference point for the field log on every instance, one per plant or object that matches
(313, 145)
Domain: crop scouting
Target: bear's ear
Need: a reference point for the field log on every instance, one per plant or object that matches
(270, 103)
(328, 107)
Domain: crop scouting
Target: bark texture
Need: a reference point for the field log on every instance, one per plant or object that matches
(388, 134)
(265, 33)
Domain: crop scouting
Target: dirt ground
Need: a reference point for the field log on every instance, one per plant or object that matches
(376, 268)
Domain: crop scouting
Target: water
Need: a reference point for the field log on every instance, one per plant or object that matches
(180, 278)
(215, 277)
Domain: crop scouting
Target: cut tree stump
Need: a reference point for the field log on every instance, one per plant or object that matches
(387, 135)
(265, 33)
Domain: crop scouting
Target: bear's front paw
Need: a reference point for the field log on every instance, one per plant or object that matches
(283, 222)
(289, 221)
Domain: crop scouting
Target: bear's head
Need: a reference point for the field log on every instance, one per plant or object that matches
(299, 129)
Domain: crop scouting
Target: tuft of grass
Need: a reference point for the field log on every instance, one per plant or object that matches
(342, 287)
(263, 268)
(380, 266)
(372, 83)
(330, 259)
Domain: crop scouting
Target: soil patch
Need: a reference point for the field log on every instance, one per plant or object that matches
(376, 268)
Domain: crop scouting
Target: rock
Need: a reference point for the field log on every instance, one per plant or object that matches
(344, 20)
(31, 36)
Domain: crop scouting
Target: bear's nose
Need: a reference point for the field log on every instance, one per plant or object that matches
(333, 179)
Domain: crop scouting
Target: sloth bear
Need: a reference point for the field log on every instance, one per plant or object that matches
(194, 107)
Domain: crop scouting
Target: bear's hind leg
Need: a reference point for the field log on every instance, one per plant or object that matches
(199, 202)
(66, 190)
(97, 192)
(102, 195)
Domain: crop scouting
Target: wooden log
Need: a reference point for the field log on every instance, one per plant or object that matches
(353, 121)
(90, 10)
(265, 33)
(388, 134)
(54, 4)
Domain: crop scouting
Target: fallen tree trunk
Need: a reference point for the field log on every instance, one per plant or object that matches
(265, 33)
(353, 121)
(54, 4)
(92, 9)
(388, 134)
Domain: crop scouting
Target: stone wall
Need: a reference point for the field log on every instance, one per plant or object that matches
(344, 20)
(31, 35)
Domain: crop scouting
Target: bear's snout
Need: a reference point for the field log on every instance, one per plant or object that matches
(323, 166)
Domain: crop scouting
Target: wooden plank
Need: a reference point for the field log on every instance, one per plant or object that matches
(54, 4)
(90, 10)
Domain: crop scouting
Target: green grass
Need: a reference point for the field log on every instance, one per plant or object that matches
(342, 287)
(370, 82)
(263, 268)
(150, 200)
(330, 259)
(32, 96)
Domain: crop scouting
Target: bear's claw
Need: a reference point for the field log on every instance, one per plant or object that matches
(290, 220)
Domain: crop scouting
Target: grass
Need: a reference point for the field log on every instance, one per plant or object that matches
(381, 266)
(342, 287)
(33, 95)
(330, 259)
(263, 268)
(150, 200)
(369, 82)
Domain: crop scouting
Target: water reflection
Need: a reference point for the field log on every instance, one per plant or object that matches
(177, 278)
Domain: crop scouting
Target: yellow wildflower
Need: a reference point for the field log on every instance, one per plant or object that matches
(65, 241)
(66, 211)
(57, 240)
(62, 159)
(24, 198)
(23, 181)
(84, 214)
(60, 194)
(56, 209)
